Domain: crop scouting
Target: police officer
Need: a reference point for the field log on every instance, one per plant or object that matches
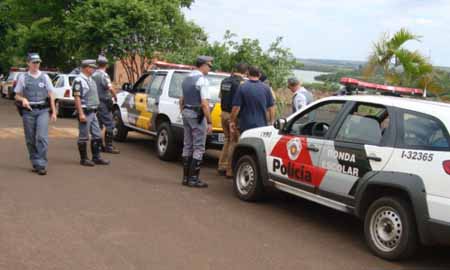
(301, 97)
(86, 102)
(228, 89)
(34, 93)
(194, 106)
(106, 94)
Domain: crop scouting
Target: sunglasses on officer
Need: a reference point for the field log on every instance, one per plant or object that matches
(36, 62)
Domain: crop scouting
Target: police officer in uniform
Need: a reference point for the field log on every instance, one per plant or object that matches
(194, 106)
(228, 89)
(34, 93)
(106, 94)
(86, 102)
(301, 97)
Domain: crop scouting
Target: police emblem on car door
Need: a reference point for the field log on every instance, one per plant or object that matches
(296, 151)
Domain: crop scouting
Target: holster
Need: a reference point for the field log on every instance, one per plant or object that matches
(19, 107)
(109, 104)
(200, 114)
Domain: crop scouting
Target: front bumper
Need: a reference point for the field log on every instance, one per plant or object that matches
(67, 104)
(215, 141)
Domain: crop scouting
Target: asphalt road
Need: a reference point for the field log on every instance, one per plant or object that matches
(135, 214)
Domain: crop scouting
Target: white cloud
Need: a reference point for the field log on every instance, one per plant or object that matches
(327, 28)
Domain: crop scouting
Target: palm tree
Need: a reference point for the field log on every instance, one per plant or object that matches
(388, 51)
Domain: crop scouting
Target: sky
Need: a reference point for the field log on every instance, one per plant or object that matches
(327, 29)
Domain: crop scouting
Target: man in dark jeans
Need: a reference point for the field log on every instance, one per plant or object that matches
(253, 104)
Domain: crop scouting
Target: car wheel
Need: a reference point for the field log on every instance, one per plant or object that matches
(247, 183)
(60, 111)
(390, 229)
(166, 145)
(120, 131)
(11, 94)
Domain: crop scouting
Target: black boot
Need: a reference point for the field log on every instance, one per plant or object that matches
(109, 148)
(82, 147)
(194, 171)
(186, 169)
(95, 148)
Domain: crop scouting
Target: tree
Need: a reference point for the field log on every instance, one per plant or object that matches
(386, 52)
(130, 31)
(276, 62)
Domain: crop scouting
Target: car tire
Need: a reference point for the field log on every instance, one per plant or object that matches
(60, 111)
(120, 131)
(390, 228)
(11, 94)
(166, 144)
(247, 184)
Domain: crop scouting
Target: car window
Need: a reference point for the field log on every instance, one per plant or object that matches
(423, 132)
(155, 88)
(365, 124)
(320, 118)
(175, 90)
(71, 78)
(11, 76)
(143, 84)
(59, 82)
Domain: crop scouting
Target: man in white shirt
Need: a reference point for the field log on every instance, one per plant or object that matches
(301, 97)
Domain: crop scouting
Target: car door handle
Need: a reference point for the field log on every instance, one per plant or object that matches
(313, 148)
(374, 158)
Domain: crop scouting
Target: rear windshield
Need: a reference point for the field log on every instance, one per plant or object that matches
(214, 85)
(11, 76)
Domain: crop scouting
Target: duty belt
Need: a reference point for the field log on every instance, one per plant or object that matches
(39, 106)
(89, 110)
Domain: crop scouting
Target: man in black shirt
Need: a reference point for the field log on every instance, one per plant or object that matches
(228, 89)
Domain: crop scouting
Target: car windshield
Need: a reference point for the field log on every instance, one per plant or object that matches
(214, 85)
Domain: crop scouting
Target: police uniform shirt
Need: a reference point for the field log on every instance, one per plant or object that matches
(81, 87)
(202, 84)
(21, 82)
(103, 84)
(301, 99)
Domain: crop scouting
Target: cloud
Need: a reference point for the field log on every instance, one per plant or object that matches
(343, 29)
(423, 21)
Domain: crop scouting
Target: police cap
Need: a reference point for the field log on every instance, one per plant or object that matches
(34, 57)
(88, 63)
(203, 59)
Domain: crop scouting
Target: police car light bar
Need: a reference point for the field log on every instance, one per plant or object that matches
(167, 65)
(381, 87)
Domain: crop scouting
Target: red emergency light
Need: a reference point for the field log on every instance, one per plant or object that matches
(381, 87)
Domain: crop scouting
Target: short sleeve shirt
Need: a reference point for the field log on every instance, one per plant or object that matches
(253, 98)
(80, 85)
(21, 82)
(103, 83)
(202, 84)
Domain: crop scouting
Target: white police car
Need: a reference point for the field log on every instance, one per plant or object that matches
(383, 159)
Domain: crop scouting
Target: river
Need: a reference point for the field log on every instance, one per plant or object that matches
(307, 76)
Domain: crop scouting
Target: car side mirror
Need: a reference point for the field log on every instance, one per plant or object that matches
(280, 123)
(127, 87)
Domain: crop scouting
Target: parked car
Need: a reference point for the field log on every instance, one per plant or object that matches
(64, 101)
(383, 159)
(7, 88)
(10, 82)
(151, 106)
